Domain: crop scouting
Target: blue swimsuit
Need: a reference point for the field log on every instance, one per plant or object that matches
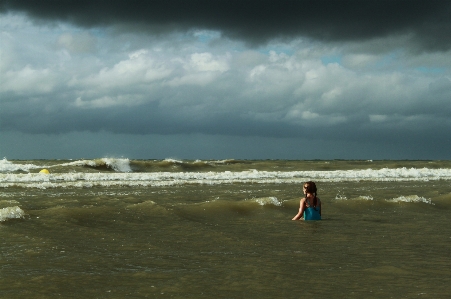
(311, 213)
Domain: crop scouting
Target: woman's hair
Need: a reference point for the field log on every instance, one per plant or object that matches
(311, 188)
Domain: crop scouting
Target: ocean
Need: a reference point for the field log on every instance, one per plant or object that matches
(122, 228)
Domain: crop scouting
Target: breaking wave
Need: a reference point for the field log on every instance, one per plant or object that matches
(11, 213)
(264, 201)
(411, 198)
(83, 179)
(7, 166)
(119, 165)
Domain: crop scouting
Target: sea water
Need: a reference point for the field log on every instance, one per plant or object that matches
(121, 228)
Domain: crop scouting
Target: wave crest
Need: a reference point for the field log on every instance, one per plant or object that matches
(11, 213)
(410, 198)
(7, 166)
(119, 165)
(264, 201)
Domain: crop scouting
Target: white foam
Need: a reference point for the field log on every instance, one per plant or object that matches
(91, 163)
(78, 179)
(410, 198)
(364, 197)
(263, 201)
(120, 165)
(173, 161)
(361, 197)
(7, 166)
(11, 213)
(340, 197)
(222, 161)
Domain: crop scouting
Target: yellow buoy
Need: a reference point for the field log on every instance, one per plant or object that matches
(44, 171)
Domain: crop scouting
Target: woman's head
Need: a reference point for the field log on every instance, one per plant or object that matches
(310, 187)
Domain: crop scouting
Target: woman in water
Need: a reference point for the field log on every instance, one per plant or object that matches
(310, 206)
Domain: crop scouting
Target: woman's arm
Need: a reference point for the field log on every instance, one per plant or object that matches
(301, 210)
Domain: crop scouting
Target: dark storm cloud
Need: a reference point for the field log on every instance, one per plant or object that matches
(258, 21)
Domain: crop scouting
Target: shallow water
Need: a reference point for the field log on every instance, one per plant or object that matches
(112, 235)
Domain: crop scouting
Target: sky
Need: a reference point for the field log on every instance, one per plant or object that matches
(222, 79)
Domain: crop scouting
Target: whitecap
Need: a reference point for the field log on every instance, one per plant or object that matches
(91, 163)
(170, 160)
(7, 166)
(216, 178)
(11, 213)
(411, 198)
(361, 197)
(263, 201)
(121, 165)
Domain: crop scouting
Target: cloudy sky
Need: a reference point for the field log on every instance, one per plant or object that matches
(216, 79)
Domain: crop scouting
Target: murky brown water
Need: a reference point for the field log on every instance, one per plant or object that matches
(229, 240)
